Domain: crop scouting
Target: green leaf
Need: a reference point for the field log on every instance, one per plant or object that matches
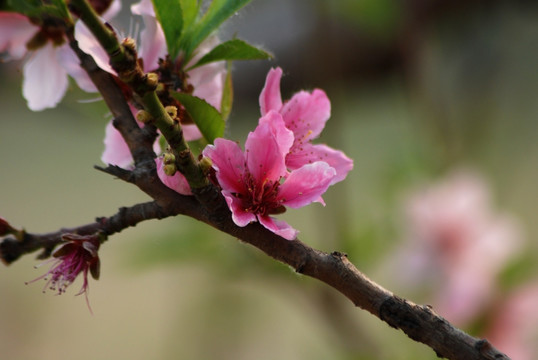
(233, 50)
(190, 12)
(62, 8)
(170, 16)
(227, 93)
(205, 116)
(38, 9)
(25, 7)
(218, 12)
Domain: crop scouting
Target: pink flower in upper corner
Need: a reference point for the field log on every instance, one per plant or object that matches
(256, 183)
(176, 182)
(78, 255)
(514, 330)
(456, 244)
(49, 59)
(305, 114)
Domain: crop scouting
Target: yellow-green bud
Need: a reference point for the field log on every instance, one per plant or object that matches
(129, 44)
(205, 165)
(169, 158)
(170, 169)
(160, 88)
(152, 80)
(172, 111)
(143, 116)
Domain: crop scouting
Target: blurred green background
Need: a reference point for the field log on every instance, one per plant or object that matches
(418, 88)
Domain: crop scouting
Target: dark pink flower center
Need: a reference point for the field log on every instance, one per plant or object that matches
(261, 198)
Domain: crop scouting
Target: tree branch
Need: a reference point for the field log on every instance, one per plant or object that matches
(12, 248)
(420, 323)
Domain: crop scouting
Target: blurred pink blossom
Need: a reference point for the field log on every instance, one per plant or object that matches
(457, 244)
(515, 328)
(305, 114)
(256, 183)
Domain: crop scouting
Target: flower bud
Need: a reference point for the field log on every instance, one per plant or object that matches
(129, 44)
(172, 111)
(205, 165)
(143, 116)
(5, 228)
(169, 159)
(170, 169)
(152, 80)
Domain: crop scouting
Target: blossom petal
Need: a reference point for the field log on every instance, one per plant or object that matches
(89, 44)
(309, 153)
(116, 150)
(239, 216)
(113, 10)
(279, 227)
(208, 80)
(270, 98)
(45, 81)
(71, 63)
(191, 132)
(279, 129)
(15, 31)
(266, 148)
(153, 43)
(177, 182)
(306, 114)
(306, 184)
(229, 162)
(144, 7)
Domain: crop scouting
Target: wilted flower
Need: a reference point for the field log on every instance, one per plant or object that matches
(305, 114)
(457, 244)
(5, 227)
(78, 255)
(256, 183)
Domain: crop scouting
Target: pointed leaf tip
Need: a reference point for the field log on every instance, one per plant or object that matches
(235, 49)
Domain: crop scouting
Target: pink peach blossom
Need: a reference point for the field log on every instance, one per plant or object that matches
(15, 32)
(256, 183)
(305, 114)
